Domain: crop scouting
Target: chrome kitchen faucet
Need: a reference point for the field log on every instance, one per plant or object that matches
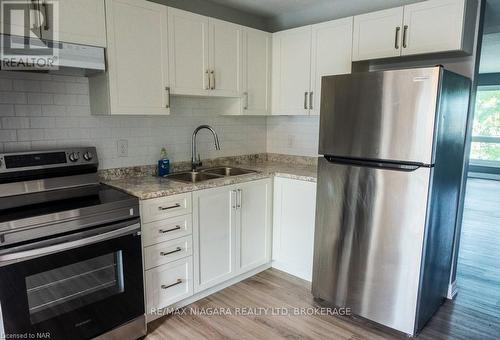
(195, 157)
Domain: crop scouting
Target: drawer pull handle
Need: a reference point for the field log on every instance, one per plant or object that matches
(176, 205)
(177, 227)
(178, 249)
(178, 282)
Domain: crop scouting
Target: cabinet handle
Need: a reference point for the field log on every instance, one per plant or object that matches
(405, 33)
(46, 26)
(305, 100)
(212, 73)
(176, 205)
(310, 100)
(178, 249)
(163, 231)
(178, 282)
(396, 41)
(234, 199)
(245, 106)
(167, 89)
(208, 80)
(238, 199)
(36, 9)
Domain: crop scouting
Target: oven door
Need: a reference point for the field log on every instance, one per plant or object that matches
(80, 288)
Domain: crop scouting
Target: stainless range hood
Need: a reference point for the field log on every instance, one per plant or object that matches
(72, 59)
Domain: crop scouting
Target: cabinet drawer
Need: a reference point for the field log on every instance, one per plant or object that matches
(169, 283)
(169, 251)
(166, 230)
(160, 208)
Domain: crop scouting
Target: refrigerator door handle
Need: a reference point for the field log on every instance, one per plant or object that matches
(379, 164)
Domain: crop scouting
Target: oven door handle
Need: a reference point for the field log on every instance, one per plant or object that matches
(59, 247)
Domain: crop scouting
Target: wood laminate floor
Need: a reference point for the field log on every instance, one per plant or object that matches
(474, 314)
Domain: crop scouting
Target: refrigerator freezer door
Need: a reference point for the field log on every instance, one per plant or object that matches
(380, 115)
(368, 240)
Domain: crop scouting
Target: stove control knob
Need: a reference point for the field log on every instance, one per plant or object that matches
(88, 156)
(73, 157)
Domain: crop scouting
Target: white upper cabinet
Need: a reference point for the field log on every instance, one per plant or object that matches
(188, 53)
(301, 57)
(331, 54)
(424, 27)
(75, 21)
(291, 71)
(137, 75)
(257, 72)
(377, 34)
(15, 23)
(205, 55)
(225, 58)
(72, 21)
(433, 26)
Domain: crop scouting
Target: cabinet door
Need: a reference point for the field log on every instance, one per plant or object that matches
(75, 21)
(331, 54)
(291, 71)
(214, 236)
(188, 53)
(294, 220)
(137, 57)
(23, 19)
(377, 34)
(433, 26)
(257, 72)
(254, 231)
(226, 58)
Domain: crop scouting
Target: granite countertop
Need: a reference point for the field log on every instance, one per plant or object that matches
(148, 187)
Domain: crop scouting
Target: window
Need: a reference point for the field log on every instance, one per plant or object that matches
(485, 149)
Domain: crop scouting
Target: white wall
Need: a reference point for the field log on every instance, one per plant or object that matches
(40, 111)
(293, 135)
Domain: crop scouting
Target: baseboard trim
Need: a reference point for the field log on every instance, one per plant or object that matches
(198, 296)
(452, 290)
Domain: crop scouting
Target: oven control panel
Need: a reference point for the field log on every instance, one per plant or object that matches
(35, 160)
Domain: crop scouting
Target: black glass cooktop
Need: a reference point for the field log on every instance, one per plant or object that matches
(37, 204)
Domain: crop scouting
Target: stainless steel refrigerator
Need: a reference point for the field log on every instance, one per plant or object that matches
(388, 187)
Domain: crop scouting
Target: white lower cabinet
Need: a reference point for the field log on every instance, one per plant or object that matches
(255, 225)
(231, 236)
(169, 283)
(293, 226)
(214, 219)
(231, 231)
(168, 248)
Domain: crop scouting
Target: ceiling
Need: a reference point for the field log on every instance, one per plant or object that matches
(283, 14)
(268, 8)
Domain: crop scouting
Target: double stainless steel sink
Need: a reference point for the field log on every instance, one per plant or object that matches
(207, 174)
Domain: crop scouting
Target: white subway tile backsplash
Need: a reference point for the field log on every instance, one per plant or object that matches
(30, 135)
(7, 97)
(15, 123)
(40, 98)
(57, 115)
(8, 135)
(293, 135)
(23, 85)
(28, 110)
(7, 109)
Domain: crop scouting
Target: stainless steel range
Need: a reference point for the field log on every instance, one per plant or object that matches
(70, 250)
